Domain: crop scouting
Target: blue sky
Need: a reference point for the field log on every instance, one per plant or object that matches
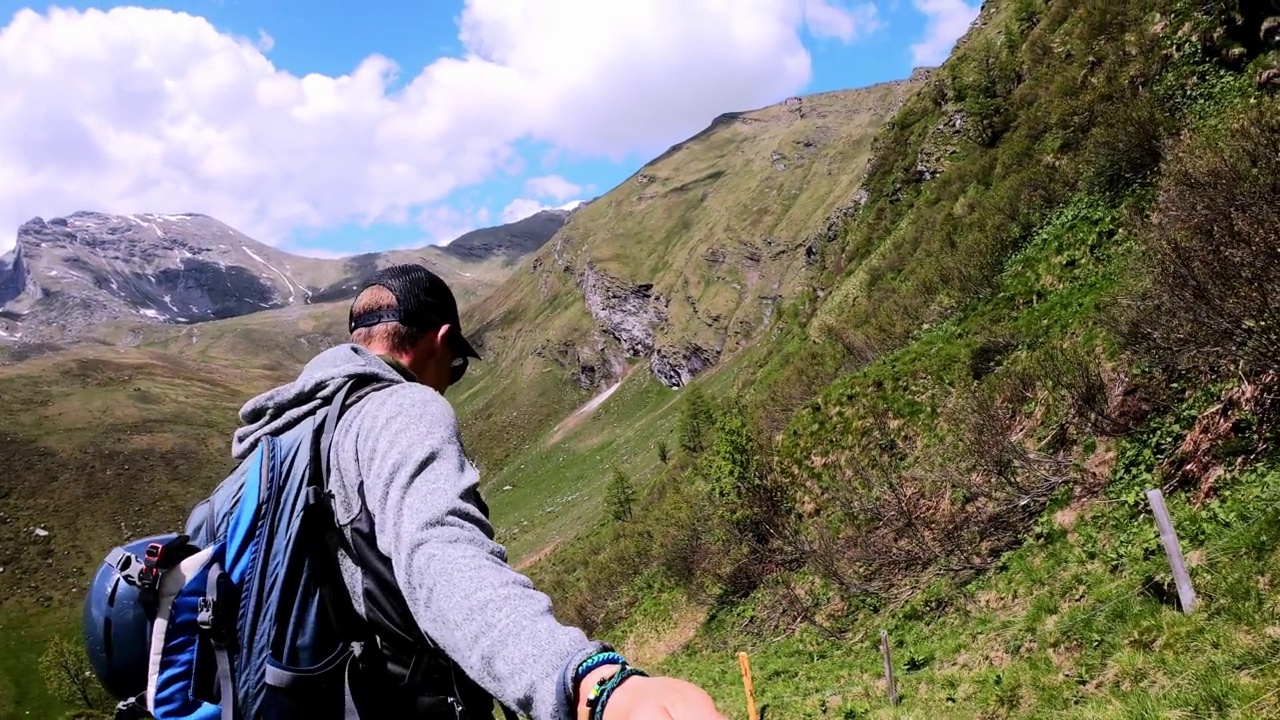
(521, 102)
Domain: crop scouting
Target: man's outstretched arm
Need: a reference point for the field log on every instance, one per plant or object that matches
(422, 493)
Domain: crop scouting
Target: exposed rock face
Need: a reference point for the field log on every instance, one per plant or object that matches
(628, 313)
(633, 315)
(1270, 31)
(90, 268)
(942, 144)
(675, 367)
(1268, 79)
(13, 275)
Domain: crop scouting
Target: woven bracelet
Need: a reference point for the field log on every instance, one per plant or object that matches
(601, 694)
(595, 661)
(587, 666)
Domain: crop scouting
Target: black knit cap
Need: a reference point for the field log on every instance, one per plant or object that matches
(423, 302)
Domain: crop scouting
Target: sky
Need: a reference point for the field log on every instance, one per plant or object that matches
(332, 127)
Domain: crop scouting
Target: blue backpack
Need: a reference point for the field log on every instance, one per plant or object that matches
(247, 615)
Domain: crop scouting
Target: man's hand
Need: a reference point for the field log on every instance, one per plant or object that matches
(646, 698)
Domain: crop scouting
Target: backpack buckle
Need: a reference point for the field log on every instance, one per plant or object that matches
(213, 623)
(149, 573)
(205, 613)
(148, 578)
(155, 559)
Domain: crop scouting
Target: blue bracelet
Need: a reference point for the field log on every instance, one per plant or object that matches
(595, 661)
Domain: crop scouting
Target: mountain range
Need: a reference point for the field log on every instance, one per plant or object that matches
(67, 277)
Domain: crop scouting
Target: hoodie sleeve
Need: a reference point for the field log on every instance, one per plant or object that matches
(423, 494)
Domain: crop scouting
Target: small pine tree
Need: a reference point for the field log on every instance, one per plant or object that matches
(662, 452)
(731, 463)
(696, 420)
(621, 496)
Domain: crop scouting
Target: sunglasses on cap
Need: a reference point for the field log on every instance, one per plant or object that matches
(458, 366)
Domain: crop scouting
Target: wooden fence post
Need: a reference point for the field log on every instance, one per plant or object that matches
(744, 664)
(1186, 594)
(888, 667)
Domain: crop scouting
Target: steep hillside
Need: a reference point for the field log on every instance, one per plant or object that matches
(68, 276)
(676, 269)
(1057, 295)
(808, 152)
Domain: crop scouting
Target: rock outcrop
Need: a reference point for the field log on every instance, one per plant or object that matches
(13, 275)
(628, 313)
(676, 366)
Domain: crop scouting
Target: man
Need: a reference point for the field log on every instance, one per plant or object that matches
(402, 483)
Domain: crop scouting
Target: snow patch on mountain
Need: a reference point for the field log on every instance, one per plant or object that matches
(285, 278)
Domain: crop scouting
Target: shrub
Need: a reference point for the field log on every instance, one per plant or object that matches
(889, 518)
(738, 482)
(1211, 265)
(66, 672)
(1123, 150)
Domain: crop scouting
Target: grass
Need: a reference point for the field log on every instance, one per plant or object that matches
(556, 491)
(107, 445)
(1058, 631)
(715, 229)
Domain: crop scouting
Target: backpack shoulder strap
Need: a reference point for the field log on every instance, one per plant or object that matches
(388, 614)
(320, 524)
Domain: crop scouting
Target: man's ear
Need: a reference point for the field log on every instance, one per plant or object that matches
(442, 335)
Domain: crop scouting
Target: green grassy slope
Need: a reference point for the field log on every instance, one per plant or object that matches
(1038, 313)
(717, 228)
(100, 445)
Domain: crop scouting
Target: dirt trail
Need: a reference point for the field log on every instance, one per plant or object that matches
(577, 416)
(529, 560)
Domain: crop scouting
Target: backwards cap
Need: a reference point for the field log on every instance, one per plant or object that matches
(423, 302)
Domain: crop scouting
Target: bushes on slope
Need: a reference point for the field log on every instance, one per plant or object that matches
(1211, 300)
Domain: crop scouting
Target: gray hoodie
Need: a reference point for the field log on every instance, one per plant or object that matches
(423, 493)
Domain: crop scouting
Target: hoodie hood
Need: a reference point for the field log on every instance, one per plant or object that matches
(279, 409)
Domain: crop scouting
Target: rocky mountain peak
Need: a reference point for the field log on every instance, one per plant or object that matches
(68, 275)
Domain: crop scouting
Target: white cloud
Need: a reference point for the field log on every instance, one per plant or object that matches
(551, 186)
(521, 208)
(946, 21)
(442, 225)
(826, 19)
(321, 253)
(137, 110)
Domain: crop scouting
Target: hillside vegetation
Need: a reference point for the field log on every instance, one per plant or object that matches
(916, 381)
(1055, 295)
(673, 271)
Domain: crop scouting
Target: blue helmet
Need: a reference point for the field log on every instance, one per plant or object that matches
(117, 626)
